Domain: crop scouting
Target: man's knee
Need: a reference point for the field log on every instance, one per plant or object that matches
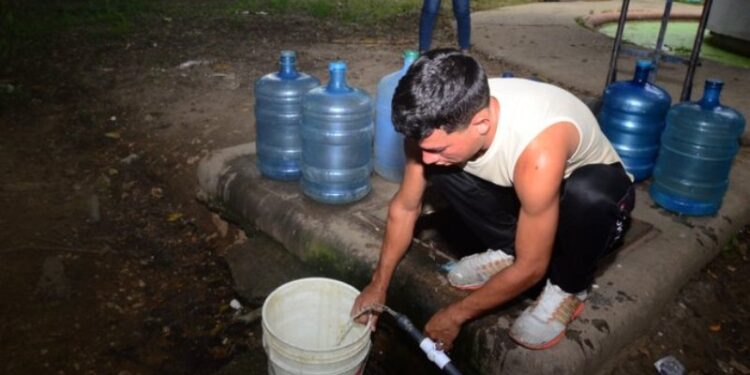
(595, 189)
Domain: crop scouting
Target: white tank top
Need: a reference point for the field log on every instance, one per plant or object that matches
(527, 108)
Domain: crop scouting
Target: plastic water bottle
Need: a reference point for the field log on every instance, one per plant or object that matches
(698, 145)
(389, 144)
(278, 114)
(632, 117)
(337, 134)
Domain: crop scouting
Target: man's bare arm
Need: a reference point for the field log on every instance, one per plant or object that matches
(403, 212)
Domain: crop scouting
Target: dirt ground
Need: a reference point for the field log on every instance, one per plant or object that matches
(108, 264)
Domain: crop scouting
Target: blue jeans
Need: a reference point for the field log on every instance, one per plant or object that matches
(430, 10)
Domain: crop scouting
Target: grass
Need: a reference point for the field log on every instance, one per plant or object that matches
(679, 39)
(366, 12)
(29, 24)
(351, 11)
(26, 23)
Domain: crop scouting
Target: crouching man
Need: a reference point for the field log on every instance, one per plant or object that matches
(526, 167)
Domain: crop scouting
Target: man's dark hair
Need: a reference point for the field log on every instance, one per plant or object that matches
(444, 88)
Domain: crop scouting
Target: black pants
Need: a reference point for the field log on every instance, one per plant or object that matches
(595, 205)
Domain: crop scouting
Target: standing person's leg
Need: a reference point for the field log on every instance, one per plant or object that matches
(463, 23)
(430, 10)
(595, 205)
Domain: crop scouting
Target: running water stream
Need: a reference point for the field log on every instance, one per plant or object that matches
(345, 331)
(350, 322)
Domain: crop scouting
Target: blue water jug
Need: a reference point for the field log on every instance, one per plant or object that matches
(698, 145)
(278, 113)
(389, 144)
(337, 133)
(632, 117)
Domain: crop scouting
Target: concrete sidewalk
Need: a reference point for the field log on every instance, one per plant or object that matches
(663, 250)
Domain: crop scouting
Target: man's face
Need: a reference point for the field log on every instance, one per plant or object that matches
(456, 148)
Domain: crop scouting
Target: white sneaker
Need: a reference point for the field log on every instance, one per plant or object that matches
(542, 325)
(471, 272)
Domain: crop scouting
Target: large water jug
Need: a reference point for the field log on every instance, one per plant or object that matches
(389, 144)
(699, 143)
(632, 117)
(278, 113)
(337, 133)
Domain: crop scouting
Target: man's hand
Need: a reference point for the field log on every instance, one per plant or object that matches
(443, 328)
(371, 295)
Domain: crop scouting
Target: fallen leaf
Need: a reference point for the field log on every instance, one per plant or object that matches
(223, 308)
(174, 216)
(191, 160)
(156, 193)
(715, 327)
(113, 135)
(221, 225)
(216, 330)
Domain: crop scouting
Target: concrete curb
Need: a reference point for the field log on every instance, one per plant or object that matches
(218, 161)
(342, 242)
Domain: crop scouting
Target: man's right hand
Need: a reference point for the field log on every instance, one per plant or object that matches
(403, 211)
(372, 295)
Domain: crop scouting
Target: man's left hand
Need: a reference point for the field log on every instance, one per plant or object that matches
(443, 328)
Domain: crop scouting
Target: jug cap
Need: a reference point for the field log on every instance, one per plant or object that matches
(643, 69)
(337, 65)
(288, 53)
(411, 54)
(714, 82)
(644, 64)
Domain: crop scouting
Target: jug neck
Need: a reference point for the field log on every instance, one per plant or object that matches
(288, 65)
(711, 93)
(409, 56)
(642, 70)
(337, 83)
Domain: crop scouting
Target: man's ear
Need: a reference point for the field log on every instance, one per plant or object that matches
(481, 121)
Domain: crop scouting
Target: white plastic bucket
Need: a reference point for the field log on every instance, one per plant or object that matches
(302, 322)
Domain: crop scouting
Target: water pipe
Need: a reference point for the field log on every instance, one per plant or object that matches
(425, 343)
